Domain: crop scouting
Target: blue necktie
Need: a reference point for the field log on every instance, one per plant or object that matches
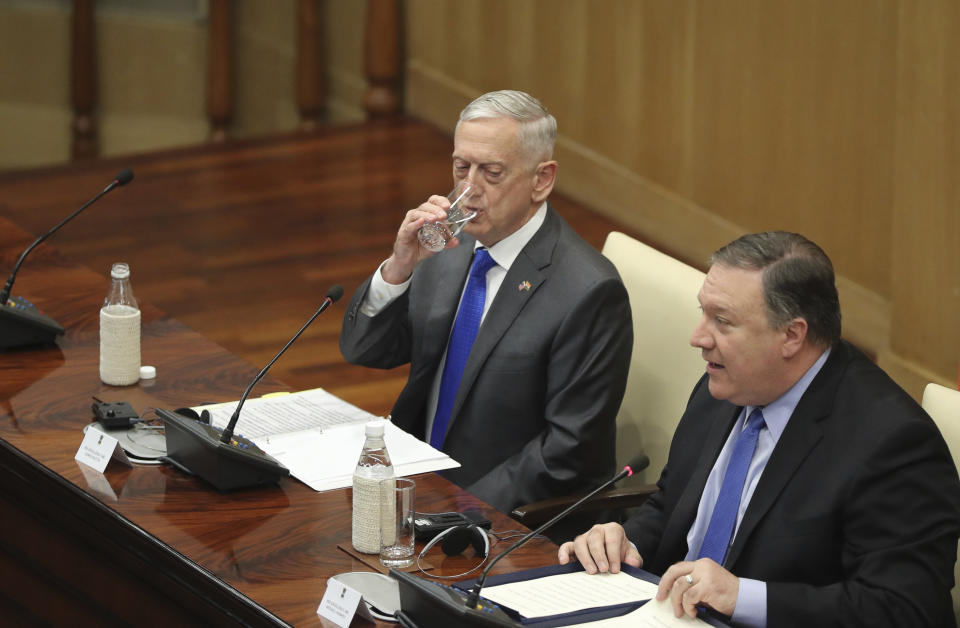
(720, 530)
(461, 340)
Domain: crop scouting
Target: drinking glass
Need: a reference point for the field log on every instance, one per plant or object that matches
(396, 522)
(435, 235)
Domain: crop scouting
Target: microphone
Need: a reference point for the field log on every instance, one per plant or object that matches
(638, 463)
(428, 604)
(333, 295)
(20, 322)
(222, 459)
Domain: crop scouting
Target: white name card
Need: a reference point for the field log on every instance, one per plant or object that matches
(341, 603)
(98, 449)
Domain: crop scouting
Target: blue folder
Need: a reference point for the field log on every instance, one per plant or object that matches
(576, 617)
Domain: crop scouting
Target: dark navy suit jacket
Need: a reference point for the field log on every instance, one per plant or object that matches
(855, 519)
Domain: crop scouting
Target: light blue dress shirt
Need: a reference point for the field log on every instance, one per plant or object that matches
(751, 609)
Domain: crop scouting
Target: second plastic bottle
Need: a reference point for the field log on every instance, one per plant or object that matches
(373, 467)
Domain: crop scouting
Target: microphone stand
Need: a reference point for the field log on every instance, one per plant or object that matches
(639, 463)
(21, 324)
(228, 431)
(123, 178)
(221, 459)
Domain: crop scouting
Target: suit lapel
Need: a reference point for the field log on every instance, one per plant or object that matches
(801, 435)
(675, 535)
(528, 268)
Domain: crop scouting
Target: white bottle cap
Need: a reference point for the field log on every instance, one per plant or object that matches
(374, 428)
(148, 372)
(120, 270)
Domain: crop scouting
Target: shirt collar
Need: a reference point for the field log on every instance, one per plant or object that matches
(777, 413)
(506, 250)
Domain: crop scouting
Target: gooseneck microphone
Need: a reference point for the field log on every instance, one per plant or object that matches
(123, 177)
(333, 295)
(219, 457)
(638, 463)
(20, 323)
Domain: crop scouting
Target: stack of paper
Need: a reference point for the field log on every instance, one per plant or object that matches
(318, 436)
(569, 593)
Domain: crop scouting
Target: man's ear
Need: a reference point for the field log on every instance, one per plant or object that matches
(795, 334)
(544, 178)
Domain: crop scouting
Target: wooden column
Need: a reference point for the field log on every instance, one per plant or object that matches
(382, 58)
(83, 82)
(219, 70)
(310, 90)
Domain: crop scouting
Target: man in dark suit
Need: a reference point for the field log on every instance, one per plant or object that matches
(529, 410)
(803, 486)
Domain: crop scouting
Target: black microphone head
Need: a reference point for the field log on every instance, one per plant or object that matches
(124, 177)
(638, 463)
(334, 293)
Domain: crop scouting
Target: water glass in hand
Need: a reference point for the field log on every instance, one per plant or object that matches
(435, 235)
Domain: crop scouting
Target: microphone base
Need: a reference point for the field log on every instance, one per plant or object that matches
(22, 325)
(428, 603)
(195, 448)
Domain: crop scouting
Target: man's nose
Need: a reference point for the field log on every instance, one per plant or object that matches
(473, 179)
(700, 338)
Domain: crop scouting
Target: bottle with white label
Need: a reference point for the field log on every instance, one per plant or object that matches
(373, 467)
(120, 331)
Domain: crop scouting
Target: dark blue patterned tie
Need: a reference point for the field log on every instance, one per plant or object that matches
(720, 530)
(461, 340)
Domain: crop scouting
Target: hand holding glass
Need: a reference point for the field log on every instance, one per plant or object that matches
(434, 236)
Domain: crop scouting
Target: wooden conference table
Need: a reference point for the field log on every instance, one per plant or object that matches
(157, 547)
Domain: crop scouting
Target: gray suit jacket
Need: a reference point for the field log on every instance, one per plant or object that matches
(535, 413)
(854, 521)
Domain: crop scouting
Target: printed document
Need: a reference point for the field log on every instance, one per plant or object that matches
(569, 592)
(318, 437)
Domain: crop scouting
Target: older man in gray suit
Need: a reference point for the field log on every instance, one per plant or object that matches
(527, 402)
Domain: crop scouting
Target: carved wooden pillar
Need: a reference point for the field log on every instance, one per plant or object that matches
(83, 82)
(310, 91)
(219, 70)
(382, 57)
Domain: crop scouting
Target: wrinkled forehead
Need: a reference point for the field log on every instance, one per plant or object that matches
(487, 139)
(731, 289)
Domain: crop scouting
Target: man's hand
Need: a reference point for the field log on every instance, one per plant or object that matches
(407, 252)
(699, 583)
(601, 549)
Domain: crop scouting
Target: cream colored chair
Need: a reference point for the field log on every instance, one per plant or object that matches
(943, 404)
(663, 367)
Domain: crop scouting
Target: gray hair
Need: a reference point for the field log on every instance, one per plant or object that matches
(538, 129)
(798, 280)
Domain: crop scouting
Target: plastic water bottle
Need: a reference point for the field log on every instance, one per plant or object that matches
(373, 467)
(120, 331)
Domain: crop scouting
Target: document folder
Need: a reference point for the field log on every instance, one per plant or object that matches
(577, 617)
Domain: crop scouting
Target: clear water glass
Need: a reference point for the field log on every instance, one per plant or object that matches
(435, 235)
(396, 522)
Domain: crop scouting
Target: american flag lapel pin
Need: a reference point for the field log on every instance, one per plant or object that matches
(524, 286)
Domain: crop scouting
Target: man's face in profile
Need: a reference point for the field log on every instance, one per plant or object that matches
(487, 154)
(744, 354)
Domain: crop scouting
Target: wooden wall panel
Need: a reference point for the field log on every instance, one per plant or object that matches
(926, 247)
(694, 121)
(793, 123)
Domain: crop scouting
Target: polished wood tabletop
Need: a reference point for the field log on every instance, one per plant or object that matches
(240, 241)
(231, 248)
(157, 547)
